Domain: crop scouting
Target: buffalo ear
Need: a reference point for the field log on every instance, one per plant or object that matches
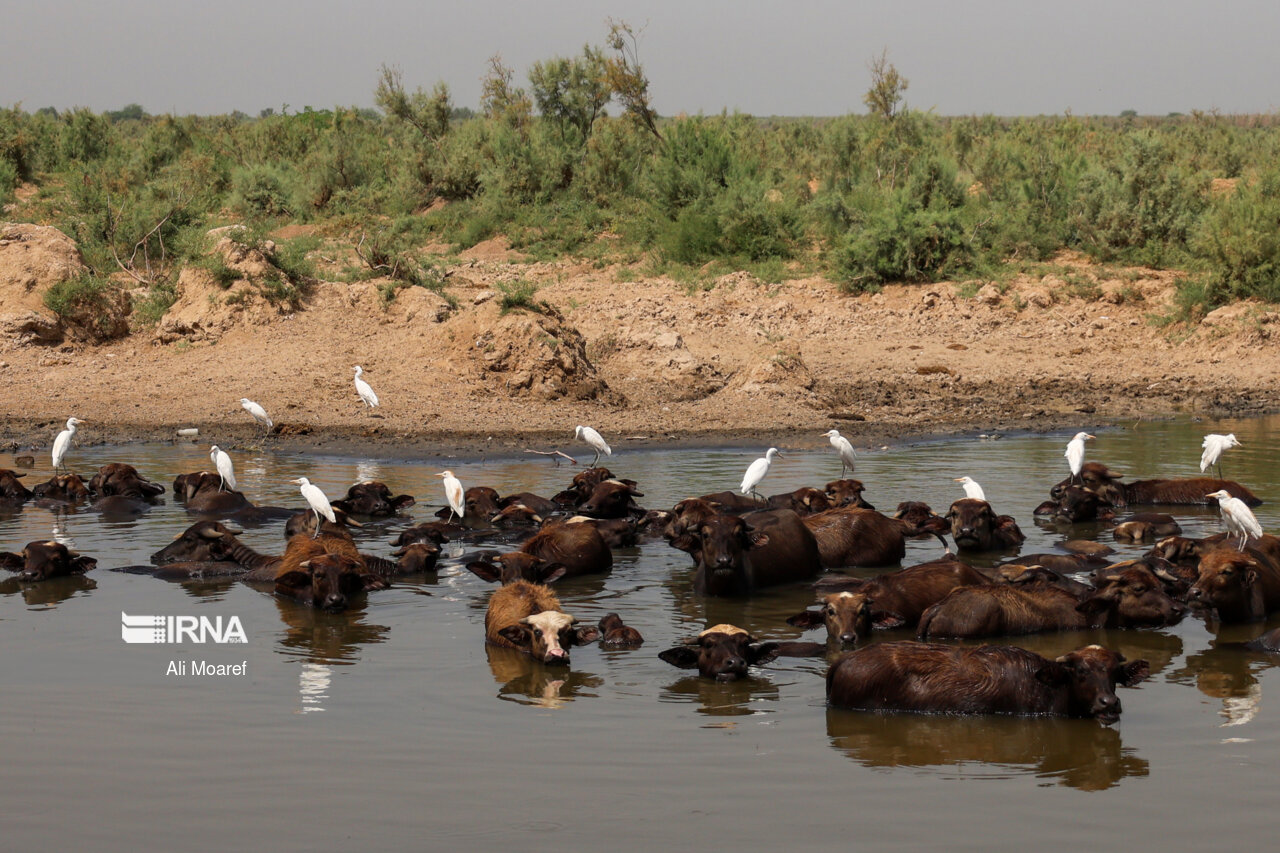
(518, 635)
(485, 571)
(887, 619)
(686, 542)
(684, 657)
(758, 653)
(1096, 604)
(81, 565)
(588, 634)
(12, 562)
(806, 619)
(757, 539)
(1134, 673)
(1250, 577)
(1053, 674)
(294, 579)
(402, 501)
(550, 572)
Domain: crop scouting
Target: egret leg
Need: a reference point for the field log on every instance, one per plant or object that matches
(843, 466)
(221, 483)
(759, 497)
(596, 461)
(317, 533)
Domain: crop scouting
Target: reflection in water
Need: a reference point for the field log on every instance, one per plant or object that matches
(43, 594)
(313, 687)
(1076, 753)
(60, 534)
(326, 638)
(1224, 672)
(528, 682)
(722, 698)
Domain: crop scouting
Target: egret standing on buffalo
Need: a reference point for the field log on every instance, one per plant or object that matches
(317, 501)
(226, 471)
(363, 389)
(454, 494)
(756, 471)
(1214, 446)
(63, 442)
(844, 448)
(259, 414)
(971, 488)
(1237, 516)
(595, 439)
(1075, 454)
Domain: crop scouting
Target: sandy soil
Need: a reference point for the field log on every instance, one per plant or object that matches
(641, 359)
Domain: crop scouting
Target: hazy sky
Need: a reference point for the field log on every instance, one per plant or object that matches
(802, 57)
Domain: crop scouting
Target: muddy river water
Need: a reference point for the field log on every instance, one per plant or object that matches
(392, 726)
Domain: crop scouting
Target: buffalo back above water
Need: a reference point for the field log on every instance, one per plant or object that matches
(930, 678)
(739, 554)
(852, 536)
(1243, 586)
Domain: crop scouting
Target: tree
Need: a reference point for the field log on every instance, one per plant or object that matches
(626, 77)
(429, 113)
(499, 99)
(571, 92)
(887, 86)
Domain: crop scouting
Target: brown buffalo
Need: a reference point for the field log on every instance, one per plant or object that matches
(481, 503)
(1146, 527)
(722, 652)
(437, 532)
(616, 532)
(1029, 572)
(41, 561)
(976, 527)
(373, 499)
(614, 633)
(1001, 609)
(852, 536)
(918, 520)
(612, 499)
(578, 549)
(803, 501)
(1243, 586)
(847, 493)
(119, 479)
(527, 616)
(737, 555)
(930, 678)
(204, 541)
(325, 580)
(1073, 504)
(584, 483)
(517, 515)
(1189, 491)
(11, 490)
(68, 488)
(846, 615)
(899, 598)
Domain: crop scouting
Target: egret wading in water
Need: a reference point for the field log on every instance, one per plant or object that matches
(1237, 516)
(844, 448)
(363, 389)
(317, 501)
(1214, 446)
(971, 488)
(756, 472)
(595, 440)
(226, 471)
(453, 494)
(62, 443)
(259, 414)
(1075, 455)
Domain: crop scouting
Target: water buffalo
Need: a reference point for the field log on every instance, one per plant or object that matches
(852, 536)
(847, 493)
(1106, 483)
(62, 488)
(579, 549)
(11, 490)
(119, 479)
(930, 678)
(40, 561)
(1073, 504)
(614, 633)
(1243, 586)
(373, 499)
(803, 501)
(722, 652)
(612, 499)
(976, 527)
(324, 580)
(899, 598)
(738, 554)
(846, 615)
(1145, 527)
(528, 616)
(584, 483)
(919, 520)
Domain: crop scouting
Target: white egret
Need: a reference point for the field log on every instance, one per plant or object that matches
(317, 501)
(226, 470)
(971, 488)
(454, 494)
(63, 442)
(259, 414)
(1075, 454)
(595, 439)
(363, 389)
(756, 472)
(844, 448)
(1214, 446)
(1237, 516)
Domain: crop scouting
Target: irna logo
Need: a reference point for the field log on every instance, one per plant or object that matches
(181, 629)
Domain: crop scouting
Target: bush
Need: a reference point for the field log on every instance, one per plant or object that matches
(90, 303)
(1239, 243)
(262, 190)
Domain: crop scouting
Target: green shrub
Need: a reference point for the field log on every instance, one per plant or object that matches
(1239, 244)
(517, 294)
(151, 308)
(262, 190)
